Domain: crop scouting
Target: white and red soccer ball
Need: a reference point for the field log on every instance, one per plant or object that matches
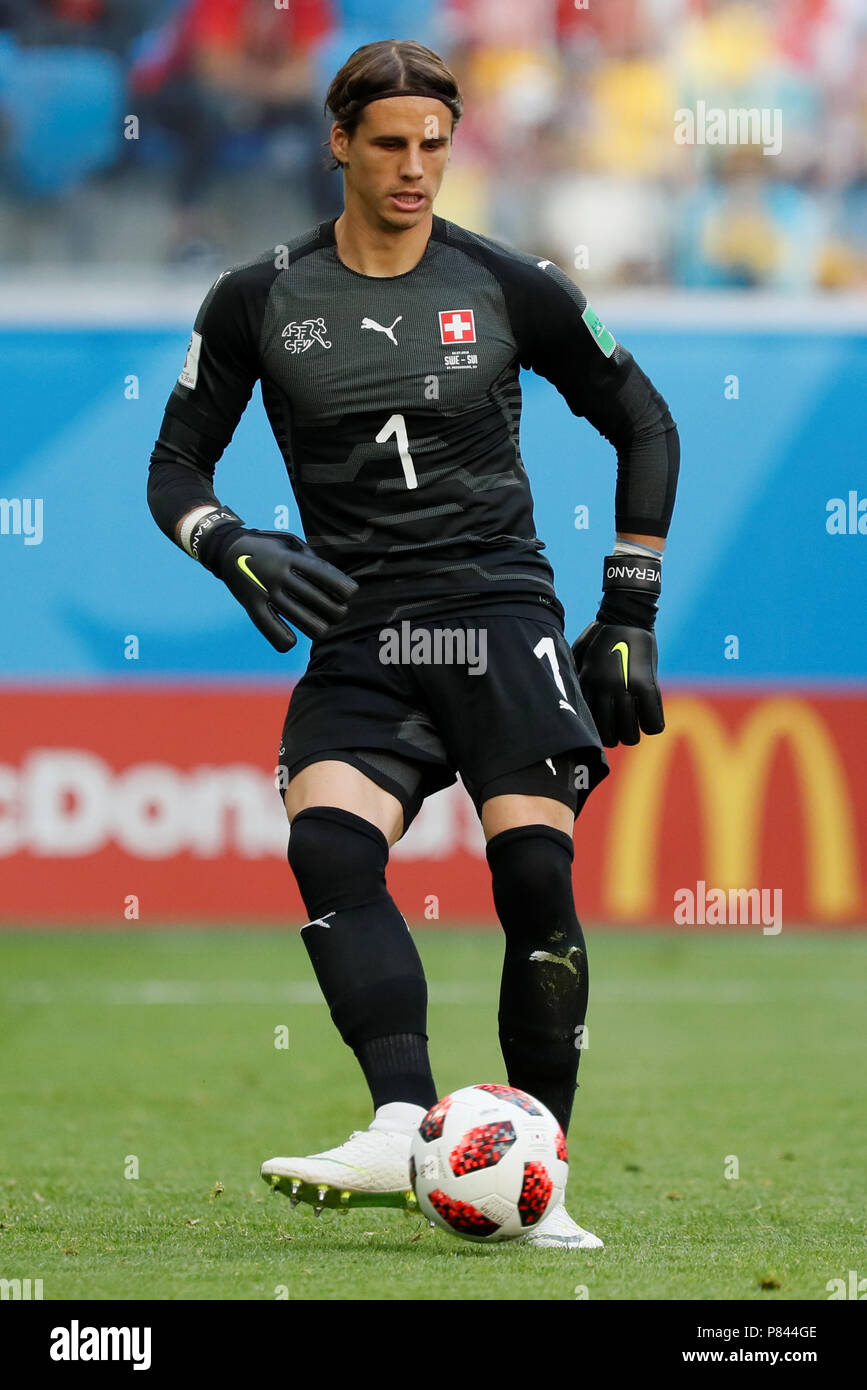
(488, 1162)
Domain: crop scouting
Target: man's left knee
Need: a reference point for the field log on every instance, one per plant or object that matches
(531, 870)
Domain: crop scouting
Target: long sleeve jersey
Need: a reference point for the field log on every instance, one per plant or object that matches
(395, 402)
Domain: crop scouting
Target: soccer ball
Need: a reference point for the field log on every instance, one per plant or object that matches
(488, 1162)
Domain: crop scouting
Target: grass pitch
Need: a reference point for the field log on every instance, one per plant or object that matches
(142, 1087)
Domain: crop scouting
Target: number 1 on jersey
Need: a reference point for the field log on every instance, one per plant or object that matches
(396, 425)
(546, 648)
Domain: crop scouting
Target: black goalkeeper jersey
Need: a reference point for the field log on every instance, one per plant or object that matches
(395, 403)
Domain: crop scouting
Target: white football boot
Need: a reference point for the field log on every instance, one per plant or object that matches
(557, 1231)
(370, 1170)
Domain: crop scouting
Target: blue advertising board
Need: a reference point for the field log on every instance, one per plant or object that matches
(764, 546)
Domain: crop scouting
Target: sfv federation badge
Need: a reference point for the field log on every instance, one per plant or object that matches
(298, 337)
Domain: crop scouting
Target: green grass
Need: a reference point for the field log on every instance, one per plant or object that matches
(161, 1046)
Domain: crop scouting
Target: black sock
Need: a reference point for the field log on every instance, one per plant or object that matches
(543, 994)
(396, 1067)
(361, 949)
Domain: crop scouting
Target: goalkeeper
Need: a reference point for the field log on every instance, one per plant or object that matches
(388, 343)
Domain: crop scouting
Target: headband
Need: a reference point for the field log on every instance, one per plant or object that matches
(399, 92)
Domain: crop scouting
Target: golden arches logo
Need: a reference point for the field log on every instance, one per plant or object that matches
(733, 775)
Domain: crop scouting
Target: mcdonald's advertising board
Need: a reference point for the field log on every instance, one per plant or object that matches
(160, 805)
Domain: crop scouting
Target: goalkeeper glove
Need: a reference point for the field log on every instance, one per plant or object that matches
(273, 574)
(615, 656)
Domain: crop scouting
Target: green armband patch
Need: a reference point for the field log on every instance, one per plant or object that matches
(604, 339)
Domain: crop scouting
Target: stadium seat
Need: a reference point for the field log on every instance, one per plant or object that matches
(365, 21)
(62, 109)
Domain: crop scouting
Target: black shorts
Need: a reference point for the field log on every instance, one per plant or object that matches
(491, 697)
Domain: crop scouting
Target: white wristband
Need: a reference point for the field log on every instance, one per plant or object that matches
(635, 548)
(189, 524)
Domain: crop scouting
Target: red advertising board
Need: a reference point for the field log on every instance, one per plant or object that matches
(160, 805)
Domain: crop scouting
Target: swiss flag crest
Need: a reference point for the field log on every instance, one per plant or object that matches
(457, 326)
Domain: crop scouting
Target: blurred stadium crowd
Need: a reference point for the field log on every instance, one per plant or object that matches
(164, 131)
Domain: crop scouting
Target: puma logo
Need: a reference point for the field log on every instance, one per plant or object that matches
(553, 959)
(389, 332)
(319, 922)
